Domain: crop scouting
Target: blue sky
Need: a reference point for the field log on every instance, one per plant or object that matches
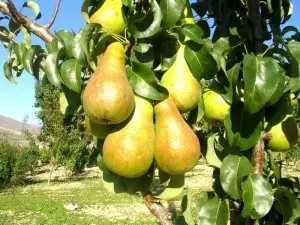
(16, 101)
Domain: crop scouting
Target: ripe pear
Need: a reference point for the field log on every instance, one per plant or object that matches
(108, 97)
(110, 16)
(183, 87)
(177, 148)
(128, 150)
(215, 108)
(284, 135)
(96, 129)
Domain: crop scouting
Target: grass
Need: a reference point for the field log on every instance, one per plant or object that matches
(42, 204)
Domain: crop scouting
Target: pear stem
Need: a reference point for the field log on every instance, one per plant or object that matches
(163, 215)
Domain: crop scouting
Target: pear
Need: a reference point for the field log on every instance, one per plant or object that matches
(183, 87)
(110, 16)
(177, 148)
(108, 97)
(97, 130)
(284, 135)
(128, 150)
(215, 108)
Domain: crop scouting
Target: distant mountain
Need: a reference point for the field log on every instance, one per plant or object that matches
(9, 124)
(13, 129)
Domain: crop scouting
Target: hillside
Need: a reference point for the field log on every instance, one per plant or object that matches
(13, 129)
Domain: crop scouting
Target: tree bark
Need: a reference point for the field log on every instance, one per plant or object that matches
(163, 215)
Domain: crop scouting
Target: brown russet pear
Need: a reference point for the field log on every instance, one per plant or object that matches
(177, 148)
(110, 16)
(108, 97)
(183, 87)
(128, 150)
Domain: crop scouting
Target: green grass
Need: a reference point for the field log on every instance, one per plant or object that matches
(40, 204)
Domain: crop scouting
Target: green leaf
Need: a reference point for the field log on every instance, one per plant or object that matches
(86, 35)
(288, 9)
(113, 182)
(71, 74)
(243, 129)
(19, 50)
(8, 72)
(211, 156)
(194, 32)
(139, 184)
(232, 76)
(174, 188)
(34, 7)
(213, 212)
(196, 115)
(144, 83)
(279, 90)
(288, 205)
(149, 24)
(257, 196)
(171, 11)
(26, 37)
(233, 169)
(200, 61)
(221, 45)
(143, 53)
(186, 208)
(67, 40)
(53, 46)
(29, 58)
(261, 76)
(85, 10)
(78, 51)
(100, 46)
(294, 53)
(51, 68)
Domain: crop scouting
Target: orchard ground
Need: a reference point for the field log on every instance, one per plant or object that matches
(39, 203)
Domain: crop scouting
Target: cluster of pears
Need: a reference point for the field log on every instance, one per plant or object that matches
(125, 121)
(281, 128)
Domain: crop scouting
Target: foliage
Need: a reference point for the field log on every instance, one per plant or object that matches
(62, 135)
(16, 162)
(255, 79)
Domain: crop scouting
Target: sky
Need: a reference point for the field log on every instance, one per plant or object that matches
(17, 100)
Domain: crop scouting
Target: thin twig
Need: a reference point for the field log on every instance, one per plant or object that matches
(8, 36)
(54, 15)
(163, 215)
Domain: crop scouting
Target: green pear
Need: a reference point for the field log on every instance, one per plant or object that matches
(183, 87)
(177, 148)
(108, 97)
(128, 149)
(215, 108)
(96, 129)
(284, 135)
(110, 16)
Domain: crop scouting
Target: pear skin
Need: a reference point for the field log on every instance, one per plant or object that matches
(215, 108)
(284, 135)
(183, 87)
(108, 97)
(177, 148)
(128, 150)
(97, 130)
(110, 16)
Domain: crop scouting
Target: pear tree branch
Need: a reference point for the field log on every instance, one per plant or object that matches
(54, 15)
(10, 10)
(163, 215)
